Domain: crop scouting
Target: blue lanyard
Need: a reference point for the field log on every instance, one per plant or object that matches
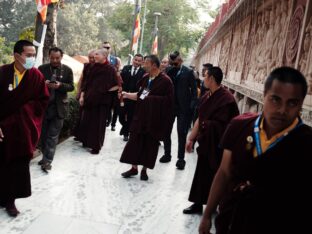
(149, 84)
(16, 81)
(257, 135)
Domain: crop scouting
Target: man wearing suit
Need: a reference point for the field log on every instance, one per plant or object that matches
(185, 98)
(130, 75)
(59, 79)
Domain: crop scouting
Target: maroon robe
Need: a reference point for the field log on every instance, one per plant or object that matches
(21, 114)
(215, 112)
(97, 80)
(279, 197)
(151, 121)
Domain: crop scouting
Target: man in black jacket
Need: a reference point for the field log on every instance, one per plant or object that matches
(185, 99)
(59, 79)
(130, 75)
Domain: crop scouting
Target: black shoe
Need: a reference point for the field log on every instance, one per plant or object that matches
(12, 210)
(94, 151)
(122, 131)
(165, 159)
(107, 124)
(125, 138)
(76, 139)
(180, 164)
(144, 175)
(129, 173)
(46, 166)
(194, 209)
(41, 162)
(113, 128)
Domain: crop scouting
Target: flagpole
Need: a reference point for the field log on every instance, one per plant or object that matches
(143, 26)
(137, 5)
(157, 14)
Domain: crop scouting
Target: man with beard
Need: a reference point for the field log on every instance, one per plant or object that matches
(185, 93)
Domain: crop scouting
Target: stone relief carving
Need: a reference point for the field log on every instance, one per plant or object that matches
(272, 41)
(225, 50)
(293, 35)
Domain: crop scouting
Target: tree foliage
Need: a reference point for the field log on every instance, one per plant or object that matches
(15, 15)
(6, 52)
(176, 25)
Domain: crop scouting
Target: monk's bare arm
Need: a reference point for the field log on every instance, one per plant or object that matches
(131, 96)
(1, 135)
(192, 137)
(218, 188)
(114, 88)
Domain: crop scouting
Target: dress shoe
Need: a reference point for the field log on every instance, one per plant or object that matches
(46, 166)
(76, 139)
(107, 124)
(11, 209)
(94, 151)
(165, 159)
(122, 131)
(41, 162)
(180, 164)
(113, 128)
(194, 209)
(131, 172)
(125, 138)
(143, 175)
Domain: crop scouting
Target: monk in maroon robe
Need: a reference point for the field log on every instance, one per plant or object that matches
(99, 80)
(216, 109)
(23, 100)
(151, 120)
(263, 182)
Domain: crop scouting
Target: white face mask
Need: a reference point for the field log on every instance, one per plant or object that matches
(29, 63)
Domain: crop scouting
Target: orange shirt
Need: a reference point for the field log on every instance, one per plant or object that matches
(265, 142)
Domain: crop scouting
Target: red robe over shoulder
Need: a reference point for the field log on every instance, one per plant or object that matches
(215, 112)
(151, 121)
(98, 79)
(21, 115)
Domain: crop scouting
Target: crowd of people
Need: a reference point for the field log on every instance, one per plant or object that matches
(246, 163)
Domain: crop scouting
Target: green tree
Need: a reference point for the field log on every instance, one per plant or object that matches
(27, 34)
(6, 52)
(176, 25)
(15, 15)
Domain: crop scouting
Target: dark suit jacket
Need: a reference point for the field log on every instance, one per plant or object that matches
(184, 87)
(65, 74)
(130, 82)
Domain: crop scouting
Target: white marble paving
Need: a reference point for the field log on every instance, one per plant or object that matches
(85, 194)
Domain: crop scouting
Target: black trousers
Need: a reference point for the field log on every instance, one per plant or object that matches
(183, 123)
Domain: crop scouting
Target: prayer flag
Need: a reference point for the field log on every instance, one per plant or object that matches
(155, 45)
(136, 30)
(42, 8)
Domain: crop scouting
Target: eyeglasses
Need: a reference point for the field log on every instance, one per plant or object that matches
(106, 47)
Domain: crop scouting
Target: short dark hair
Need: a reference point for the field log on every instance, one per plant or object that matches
(19, 46)
(138, 55)
(154, 59)
(174, 55)
(217, 73)
(56, 49)
(286, 75)
(207, 65)
(106, 42)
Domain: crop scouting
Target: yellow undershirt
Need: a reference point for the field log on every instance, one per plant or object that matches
(17, 77)
(265, 142)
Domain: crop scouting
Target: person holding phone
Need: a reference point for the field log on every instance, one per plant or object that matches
(59, 79)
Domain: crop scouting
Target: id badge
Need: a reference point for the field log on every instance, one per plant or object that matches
(144, 94)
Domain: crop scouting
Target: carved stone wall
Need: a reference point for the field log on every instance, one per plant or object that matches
(253, 38)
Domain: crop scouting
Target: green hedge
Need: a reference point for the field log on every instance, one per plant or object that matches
(71, 118)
